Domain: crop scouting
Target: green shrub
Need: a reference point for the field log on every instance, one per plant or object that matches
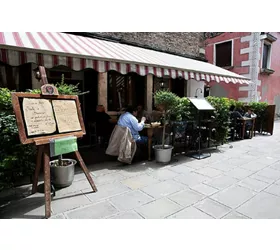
(221, 115)
(182, 110)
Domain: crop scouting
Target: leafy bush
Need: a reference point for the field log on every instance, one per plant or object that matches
(182, 110)
(221, 115)
(5, 100)
(260, 109)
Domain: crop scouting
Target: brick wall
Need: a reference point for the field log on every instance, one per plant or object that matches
(181, 43)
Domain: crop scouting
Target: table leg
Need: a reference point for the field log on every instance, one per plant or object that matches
(150, 133)
(243, 130)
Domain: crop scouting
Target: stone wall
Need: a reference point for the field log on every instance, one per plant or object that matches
(181, 43)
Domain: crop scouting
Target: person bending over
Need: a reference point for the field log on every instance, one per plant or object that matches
(129, 120)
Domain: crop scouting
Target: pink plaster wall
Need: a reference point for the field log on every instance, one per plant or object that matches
(231, 90)
(270, 84)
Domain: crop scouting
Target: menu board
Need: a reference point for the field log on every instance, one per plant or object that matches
(66, 115)
(43, 116)
(38, 116)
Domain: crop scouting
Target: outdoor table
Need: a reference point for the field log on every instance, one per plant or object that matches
(150, 133)
(243, 121)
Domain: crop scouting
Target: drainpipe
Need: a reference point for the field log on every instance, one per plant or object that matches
(254, 70)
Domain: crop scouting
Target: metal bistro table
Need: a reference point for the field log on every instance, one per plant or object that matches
(243, 121)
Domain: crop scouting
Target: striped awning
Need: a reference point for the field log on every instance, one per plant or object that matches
(51, 49)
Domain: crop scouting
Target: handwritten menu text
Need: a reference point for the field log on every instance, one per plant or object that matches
(38, 116)
(66, 115)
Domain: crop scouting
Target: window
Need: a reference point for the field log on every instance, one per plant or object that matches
(124, 90)
(266, 56)
(223, 54)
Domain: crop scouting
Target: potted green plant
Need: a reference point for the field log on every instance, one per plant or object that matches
(167, 101)
(62, 171)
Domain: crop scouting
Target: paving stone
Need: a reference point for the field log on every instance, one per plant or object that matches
(163, 174)
(235, 215)
(267, 160)
(247, 157)
(253, 184)
(158, 209)
(140, 181)
(239, 173)
(223, 166)
(205, 189)
(191, 179)
(262, 206)
(273, 189)
(76, 187)
(210, 172)
(233, 196)
(68, 203)
(276, 166)
(108, 178)
(221, 182)
(163, 189)
(190, 213)
(106, 191)
(79, 177)
(212, 208)
(58, 216)
(269, 173)
(130, 200)
(237, 162)
(262, 178)
(135, 171)
(253, 166)
(32, 207)
(277, 182)
(186, 197)
(126, 215)
(96, 211)
(181, 169)
(103, 171)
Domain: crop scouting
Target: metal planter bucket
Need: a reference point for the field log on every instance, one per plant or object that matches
(62, 176)
(163, 155)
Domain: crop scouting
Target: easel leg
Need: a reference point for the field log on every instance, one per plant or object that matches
(84, 168)
(47, 182)
(150, 137)
(37, 169)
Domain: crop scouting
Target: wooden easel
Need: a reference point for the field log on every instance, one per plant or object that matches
(42, 142)
(44, 153)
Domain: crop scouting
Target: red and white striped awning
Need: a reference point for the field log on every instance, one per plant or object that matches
(51, 49)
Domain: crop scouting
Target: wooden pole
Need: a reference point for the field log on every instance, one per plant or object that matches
(47, 181)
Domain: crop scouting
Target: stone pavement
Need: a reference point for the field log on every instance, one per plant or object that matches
(234, 183)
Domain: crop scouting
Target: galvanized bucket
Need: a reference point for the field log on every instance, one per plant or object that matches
(163, 155)
(62, 176)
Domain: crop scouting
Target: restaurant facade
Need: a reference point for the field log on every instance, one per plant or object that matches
(114, 74)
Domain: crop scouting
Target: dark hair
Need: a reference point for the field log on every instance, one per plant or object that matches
(232, 108)
(131, 109)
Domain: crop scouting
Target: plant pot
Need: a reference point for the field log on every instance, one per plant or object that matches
(62, 176)
(163, 155)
